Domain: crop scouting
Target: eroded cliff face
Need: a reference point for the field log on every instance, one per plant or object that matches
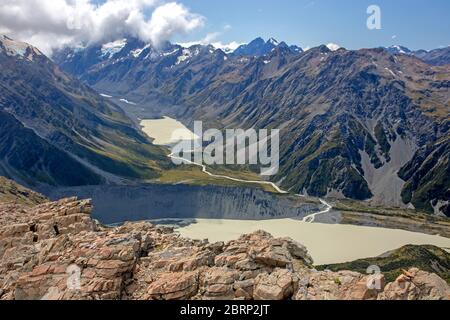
(56, 251)
(117, 204)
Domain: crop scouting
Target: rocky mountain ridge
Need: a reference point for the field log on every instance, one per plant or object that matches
(55, 251)
(436, 57)
(259, 47)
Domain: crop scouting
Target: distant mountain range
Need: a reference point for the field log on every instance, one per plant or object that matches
(57, 131)
(366, 124)
(437, 57)
(369, 124)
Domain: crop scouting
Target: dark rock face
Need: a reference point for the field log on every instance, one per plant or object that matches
(428, 178)
(120, 204)
(259, 48)
(29, 158)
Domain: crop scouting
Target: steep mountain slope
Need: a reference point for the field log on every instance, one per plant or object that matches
(11, 192)
(359, 116)
(393, 264)
(28, 158)
(350, 120)
(428, 178)
(75, 136)
(437, 57)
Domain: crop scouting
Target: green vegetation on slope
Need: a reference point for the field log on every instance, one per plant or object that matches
(392, 264)
(13, 192)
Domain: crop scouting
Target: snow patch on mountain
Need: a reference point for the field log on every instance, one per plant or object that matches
(128, 102)
(137, 52)
(227, 48)
(16, 48)
(110, 49)
(185, 55)
(273, 41)
(333, 46)
(169, 53)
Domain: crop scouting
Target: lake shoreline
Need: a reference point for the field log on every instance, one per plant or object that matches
(327, 243)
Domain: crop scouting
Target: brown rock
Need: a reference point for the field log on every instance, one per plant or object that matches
(174, 286)
(217, 283)
(415, 284)
(278, 285)
(343, 285)
(55, 251)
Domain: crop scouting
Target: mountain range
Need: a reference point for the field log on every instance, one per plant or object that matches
(437, 57)
(370, 124)
(57, 131)
(259, 47)
(363, 124)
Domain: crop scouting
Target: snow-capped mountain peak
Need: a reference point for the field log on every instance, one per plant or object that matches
(273, 41)
(397, 49)
(333, 46)
(259, 47)
(111, 48)
(18, 49)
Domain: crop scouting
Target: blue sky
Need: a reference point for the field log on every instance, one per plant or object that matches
(50, 24)
(417, 24)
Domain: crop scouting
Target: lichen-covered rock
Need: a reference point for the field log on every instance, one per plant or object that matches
(55, 251)
(343, 285)
(174, 286)
(279, 285)
(218, 283)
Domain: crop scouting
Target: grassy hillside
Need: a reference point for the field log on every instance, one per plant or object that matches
(12, 192)
(392, 264)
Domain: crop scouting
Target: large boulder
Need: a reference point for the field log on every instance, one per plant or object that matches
(279, 285)
(174, 286)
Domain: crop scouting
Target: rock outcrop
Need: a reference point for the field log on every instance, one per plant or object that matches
(55, 251)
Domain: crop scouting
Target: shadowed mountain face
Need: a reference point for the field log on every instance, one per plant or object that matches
(57, 131)
(352, 122)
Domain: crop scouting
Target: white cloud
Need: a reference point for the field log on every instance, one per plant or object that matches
(212, 39)
(50, 24)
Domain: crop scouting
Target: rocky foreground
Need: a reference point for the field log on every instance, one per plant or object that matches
(56, 251)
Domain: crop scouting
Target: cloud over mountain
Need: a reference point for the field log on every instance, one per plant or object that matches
(51, 24)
